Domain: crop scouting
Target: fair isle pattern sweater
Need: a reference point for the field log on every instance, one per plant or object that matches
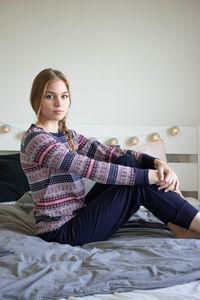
(55, 173)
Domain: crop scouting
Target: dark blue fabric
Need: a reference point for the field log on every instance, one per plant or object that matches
(110, 206)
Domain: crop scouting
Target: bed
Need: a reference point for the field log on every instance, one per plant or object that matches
(143, 260)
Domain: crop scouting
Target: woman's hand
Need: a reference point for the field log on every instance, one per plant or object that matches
(167, 178)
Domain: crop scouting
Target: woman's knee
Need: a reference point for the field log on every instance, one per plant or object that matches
(127, 160)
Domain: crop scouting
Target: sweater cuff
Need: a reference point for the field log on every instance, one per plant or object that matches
(141, 177)
(148, 161)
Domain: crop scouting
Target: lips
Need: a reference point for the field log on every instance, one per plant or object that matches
(58, 111)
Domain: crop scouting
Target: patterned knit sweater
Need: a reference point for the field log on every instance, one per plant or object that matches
(55, 173)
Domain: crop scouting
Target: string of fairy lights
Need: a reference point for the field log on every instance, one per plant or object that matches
(131, 141)
(134, 140)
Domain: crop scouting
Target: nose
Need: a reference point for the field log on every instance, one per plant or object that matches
(57, 101)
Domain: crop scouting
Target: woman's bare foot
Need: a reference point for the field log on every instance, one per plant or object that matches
(183, 233)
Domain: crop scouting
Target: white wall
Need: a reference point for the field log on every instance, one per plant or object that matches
(128, 61)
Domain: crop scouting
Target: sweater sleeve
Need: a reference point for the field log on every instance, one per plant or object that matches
(101, 152)
(42, 150)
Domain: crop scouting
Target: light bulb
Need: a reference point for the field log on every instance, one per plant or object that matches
(155, 137)
(175, 130)
(134, 140)
(112, 142)
(6, 128)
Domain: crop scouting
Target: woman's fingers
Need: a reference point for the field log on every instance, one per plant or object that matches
(179, 193)
(170, 176)
(166, 186)
(170, 188)
(169, 180)
(160, 173)
(162, 185)
(177, 184)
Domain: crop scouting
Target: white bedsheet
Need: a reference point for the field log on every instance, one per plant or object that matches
(177, 292)
(188, 291)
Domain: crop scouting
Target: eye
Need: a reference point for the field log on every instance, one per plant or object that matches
(65, 96)
(49, 96)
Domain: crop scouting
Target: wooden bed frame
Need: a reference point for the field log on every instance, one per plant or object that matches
(182, 150)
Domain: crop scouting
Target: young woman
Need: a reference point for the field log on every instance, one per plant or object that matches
(55, 161)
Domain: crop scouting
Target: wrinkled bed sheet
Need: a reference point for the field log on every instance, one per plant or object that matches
(187, 291)
(142, 255)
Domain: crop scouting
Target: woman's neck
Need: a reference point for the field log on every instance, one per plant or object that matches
(49, 127)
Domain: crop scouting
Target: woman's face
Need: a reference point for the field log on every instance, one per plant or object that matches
(55, 103)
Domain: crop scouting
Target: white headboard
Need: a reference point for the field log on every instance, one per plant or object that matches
(183, 149)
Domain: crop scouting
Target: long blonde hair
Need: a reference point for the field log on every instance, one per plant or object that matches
(38, 90)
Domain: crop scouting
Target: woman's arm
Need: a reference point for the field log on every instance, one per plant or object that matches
(101, 152)
(40, 149)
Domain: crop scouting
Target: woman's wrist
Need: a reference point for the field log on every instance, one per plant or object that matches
(153, 177)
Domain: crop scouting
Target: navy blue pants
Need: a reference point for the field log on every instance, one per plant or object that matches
(110, 206)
